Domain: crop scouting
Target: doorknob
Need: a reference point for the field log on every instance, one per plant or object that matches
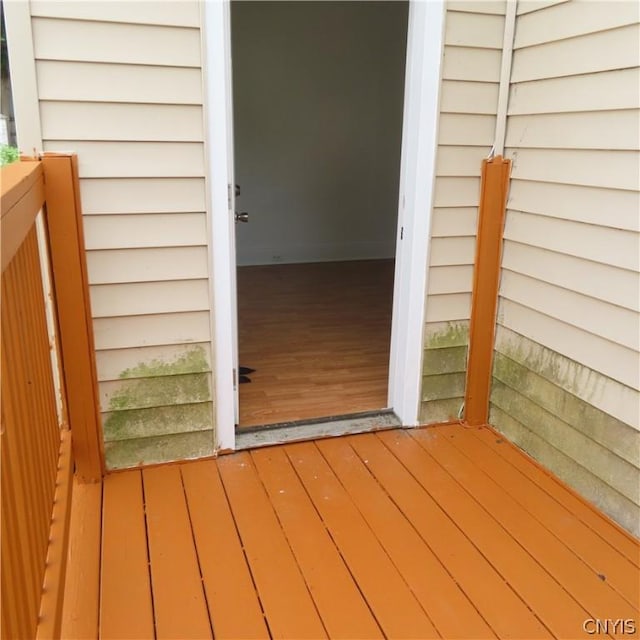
(242, 217)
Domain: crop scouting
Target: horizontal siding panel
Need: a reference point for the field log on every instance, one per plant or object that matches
(609, 359)
(572, 19)
(606, 395)
(484, 31)
(454, 222)
(604, 51)
(460, 161)
(180, 13)
(452, 251)
(582, 480)
(615, 472)
(145, 230)
(469, 97)
(104, 42)
(142, 195)
(527, 6)
(134, 159)
(147, 265)
(453, 279)
(597, 130)
(109, 121)
(147, 298)
(464, 129)
(476, 65)
(601, 281)
(616, 436)
(614, 323)
(456, 192)
(605, 91)
(600, 244)
(496, 7)
(162, 391)
(612, 169)
(448, 307)
(134, 363)
(142, 331)
(605, 207)
(88, 81)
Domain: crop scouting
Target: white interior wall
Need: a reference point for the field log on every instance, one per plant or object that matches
(318, 98)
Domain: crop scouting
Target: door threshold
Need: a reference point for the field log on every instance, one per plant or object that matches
(270, 434)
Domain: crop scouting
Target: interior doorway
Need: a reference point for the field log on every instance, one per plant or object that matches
(317, 107)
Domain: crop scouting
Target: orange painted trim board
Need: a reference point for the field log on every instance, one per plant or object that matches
(69, 271)
(484, 297)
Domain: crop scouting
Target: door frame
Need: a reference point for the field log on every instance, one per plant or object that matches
(417, 179)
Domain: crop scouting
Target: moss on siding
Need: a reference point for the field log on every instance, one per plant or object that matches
(155, 401)
(132, 453)
(444, 371)
(157, 421)
(532, 403)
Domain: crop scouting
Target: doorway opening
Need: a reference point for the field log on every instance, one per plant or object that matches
(318, 93)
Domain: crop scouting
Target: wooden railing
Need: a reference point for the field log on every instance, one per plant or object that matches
(36, 444)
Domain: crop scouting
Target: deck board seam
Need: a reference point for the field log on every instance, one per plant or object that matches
(516, 593)
(244, 551)
(564, 488)
(544, 524)
(146, 537)
(526, 551)
(375, 535)
(195, 548)
(426, 542)
(289, 545)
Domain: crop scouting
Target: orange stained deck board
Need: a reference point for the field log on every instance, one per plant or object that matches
(452, 613)
(178, 594)
(396, 608)
(592, 593)
(577, 506)
(80, 611)
(606, 562)
(126, 610)
(505, 612)
(554, 606)
(234, 607)
(285, 597)
(236, 537)
(344, 611)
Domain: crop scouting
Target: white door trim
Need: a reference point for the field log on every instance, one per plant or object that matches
(218, 149)
(417, 178)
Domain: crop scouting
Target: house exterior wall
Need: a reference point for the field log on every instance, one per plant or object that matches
(469, 101)
(134, 115)
(566, 375)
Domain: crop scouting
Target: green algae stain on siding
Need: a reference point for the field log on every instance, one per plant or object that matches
(156, 401)
(443, 371)
(454, 334)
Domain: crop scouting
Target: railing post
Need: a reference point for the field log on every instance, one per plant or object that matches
(69, 274)
(484, 297)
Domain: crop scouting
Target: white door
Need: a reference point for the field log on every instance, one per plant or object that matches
(419, 144)
(219, 117)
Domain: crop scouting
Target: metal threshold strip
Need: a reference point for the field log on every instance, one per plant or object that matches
(282, 432)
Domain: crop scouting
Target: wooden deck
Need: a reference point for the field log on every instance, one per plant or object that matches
(445, 532)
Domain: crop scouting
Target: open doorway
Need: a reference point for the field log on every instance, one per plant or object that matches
(317, 104)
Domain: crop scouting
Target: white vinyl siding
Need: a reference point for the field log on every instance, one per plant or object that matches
(569, 309)
(120, 84)
(469, 98)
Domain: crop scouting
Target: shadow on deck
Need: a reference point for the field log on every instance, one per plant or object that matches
(440, 532)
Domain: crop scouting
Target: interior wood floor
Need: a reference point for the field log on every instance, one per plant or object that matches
(318, 336)
(442, 532)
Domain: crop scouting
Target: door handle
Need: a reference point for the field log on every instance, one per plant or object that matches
(242, 217)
